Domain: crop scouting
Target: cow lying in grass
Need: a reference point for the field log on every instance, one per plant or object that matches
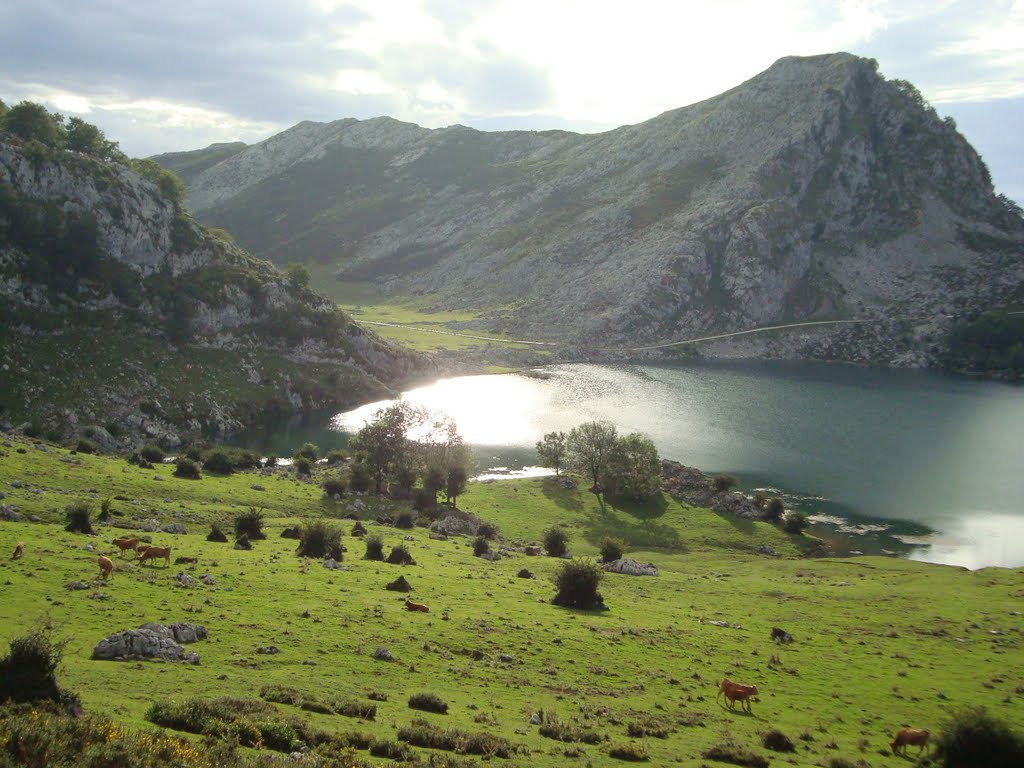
(19, 550)
(124, 544)
(411, 606)
(918, 737)
(736, 692)
(106, 566)
(155, 553)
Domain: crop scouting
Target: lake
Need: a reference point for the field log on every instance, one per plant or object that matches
(918, 463)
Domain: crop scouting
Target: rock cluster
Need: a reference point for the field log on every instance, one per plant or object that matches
(152, 641)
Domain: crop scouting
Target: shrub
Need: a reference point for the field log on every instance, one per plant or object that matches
(271, 461)
(723, 482)
(556, 541)
(28, 673)
(405, 520)
(106, 510)
(307, 451)
(376, 696)
(358, 529)
(795, 522)
(359, 478)
(775, 510)
(480, 546)
(336, 456)
(186, 468)
(423, 500)
(525, 573)
(194, 454)
(151, 453)
(577, 583)
(974, 737)
(86, 446)
(777, 741)
(612, 549)
(282, 694)
(628, 751)
(251, 524)
(320, 539)
(735, 754)
(303, 466)
(420, 733)
(428, 702)
(390, 749)
(374, 548)
(559, 731)
(77, 515)
(400, 556)
(216, 534)
(333, 486)
(218, 463)
(487, 531)
(295, 532)
(400, 584)
(649, 726)
(242, 542)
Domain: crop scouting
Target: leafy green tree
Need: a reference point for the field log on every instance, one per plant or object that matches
(171, 187)
(308, 450)
(455, 484)
(433, 480)
(590, 448)
(634, 467)
(551, 451)
(384, 441)
(775, 510)
(298, 276)
(30, 121)
(3, 108)
(723, 482)
(84, 137)
(556, 541)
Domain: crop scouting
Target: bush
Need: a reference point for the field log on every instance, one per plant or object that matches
(250, 523)
(612, 549)
(577, 583)
(218, 463)
(186, 468)
(333, 486)
(629, 751)
(390, 749)
(777, 741)
(193, 453)
(723, 482)
(216, 534)
(28, 673)
(320, 539)
(86, 446)
(795, 522)
(423, 500)
(271, 461)
(405, 520)
(359, 478)
(487, 531)
(77, 515)
(400, 584)
(374, 548)
(735, 754)
(400, 556)
(303, 466)
(242, 542)
(556, 541)
(775, 510)
(480, 546)
(307, 451)
(974, 737)
(106, 510)
(649, 726)
(336, 456)
(151, 453)
(420, 733)
(358, 529)
(525, 573)
(295, 532)
(559, 731)
(428, 702)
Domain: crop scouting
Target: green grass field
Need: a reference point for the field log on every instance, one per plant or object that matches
(879, 643)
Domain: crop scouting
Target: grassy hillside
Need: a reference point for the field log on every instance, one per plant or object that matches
(879, 643)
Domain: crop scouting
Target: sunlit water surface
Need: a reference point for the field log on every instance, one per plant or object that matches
(911, 462)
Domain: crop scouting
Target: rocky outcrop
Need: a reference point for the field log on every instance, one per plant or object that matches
(630, 567)
(695, 488)
(817, 190)
(151, 641)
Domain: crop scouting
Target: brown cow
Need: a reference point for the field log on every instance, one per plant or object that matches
(124, 544)
(411, 606)
(736, 692)
(19, 550)
(916, 736)
(154, 553)
(106, 566)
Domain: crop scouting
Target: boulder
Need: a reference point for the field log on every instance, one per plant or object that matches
(630, 568)
(151, 641)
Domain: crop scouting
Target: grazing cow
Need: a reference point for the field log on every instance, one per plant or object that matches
(736, 692)
(155, 553)
(780, 635)
(411, 606)
(916, 736)
(19, 550)
(106, 566)
(124, 544)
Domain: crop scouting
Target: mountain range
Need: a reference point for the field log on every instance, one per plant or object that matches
(815, 191)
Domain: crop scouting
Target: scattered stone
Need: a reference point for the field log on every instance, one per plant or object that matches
(89, 547)
(73, 585)
(17, 484)
(309, 662)
(438, 536)
(533, 550)
(269, 650)
(176, 528)
(257, 487)
(151, 641)
(630, 568)
(9, 513)
(151, 526)
(184, 580)
(158, 477)
(332, 564)
(208, 579)
(96, 596)
(537, 718)
(764, 549)
(504, 658)
(383, 654)
(490, 556)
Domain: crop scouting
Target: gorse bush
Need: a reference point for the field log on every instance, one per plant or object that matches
(612, 549)
(723, 482)
(628, 751)
(774, 510)
(307, 451)
(186, 468)
(480, 546)
(358, 529)
(577, 583)
(556, 541)
(151, 453)
(251, 524)
(420, 733)
(333, 486)
(216, 534)
(28, 673)
(405, 521)
(359, 478)
(777, 741)
(487, 531)
(77, 515)
(320, 539)
(218, 463)
(303, 466)
(85, 446)
(374, 548)
(973, 737)
(400, 556)
(428, 702)
(795, 522)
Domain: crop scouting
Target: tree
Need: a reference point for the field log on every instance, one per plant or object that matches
(775, 510)
(171, 187)
(298, 276)
(384, 440)
(84, 137)
(556, 541)
(433, 480)
(723, 482)
(634, 467)
(455, 484)
(30, 121)
(551, 450)
(589, 448)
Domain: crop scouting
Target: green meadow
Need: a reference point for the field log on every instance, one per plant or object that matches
(879, 643)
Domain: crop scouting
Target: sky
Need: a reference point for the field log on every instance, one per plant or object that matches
(160, 77)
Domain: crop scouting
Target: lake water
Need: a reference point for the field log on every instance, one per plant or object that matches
(923, 464)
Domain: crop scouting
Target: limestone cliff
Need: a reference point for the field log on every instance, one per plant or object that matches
(816, 190)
